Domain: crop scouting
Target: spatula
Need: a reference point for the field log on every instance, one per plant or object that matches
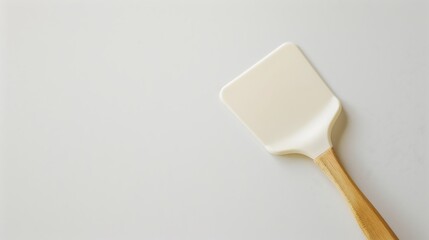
(288, 107)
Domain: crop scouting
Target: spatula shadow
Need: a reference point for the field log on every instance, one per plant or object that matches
(340, 123)
(337, 130)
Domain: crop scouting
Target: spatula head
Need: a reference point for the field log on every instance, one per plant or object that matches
(285, 103)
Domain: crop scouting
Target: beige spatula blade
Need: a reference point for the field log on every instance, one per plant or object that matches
(285, 103)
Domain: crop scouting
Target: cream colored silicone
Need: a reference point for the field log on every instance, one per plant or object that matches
(285, 103)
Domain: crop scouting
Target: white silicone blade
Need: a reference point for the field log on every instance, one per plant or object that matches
(285, 103)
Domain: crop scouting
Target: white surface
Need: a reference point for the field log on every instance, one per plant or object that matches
(111, 125)
(284, 103)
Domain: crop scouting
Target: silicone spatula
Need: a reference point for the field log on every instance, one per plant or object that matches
(288, 107)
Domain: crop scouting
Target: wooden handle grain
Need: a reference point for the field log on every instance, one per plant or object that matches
(370, 221)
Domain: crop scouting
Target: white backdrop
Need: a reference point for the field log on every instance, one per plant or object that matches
(111, 126)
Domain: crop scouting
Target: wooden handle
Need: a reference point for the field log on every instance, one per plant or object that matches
(370, 221)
